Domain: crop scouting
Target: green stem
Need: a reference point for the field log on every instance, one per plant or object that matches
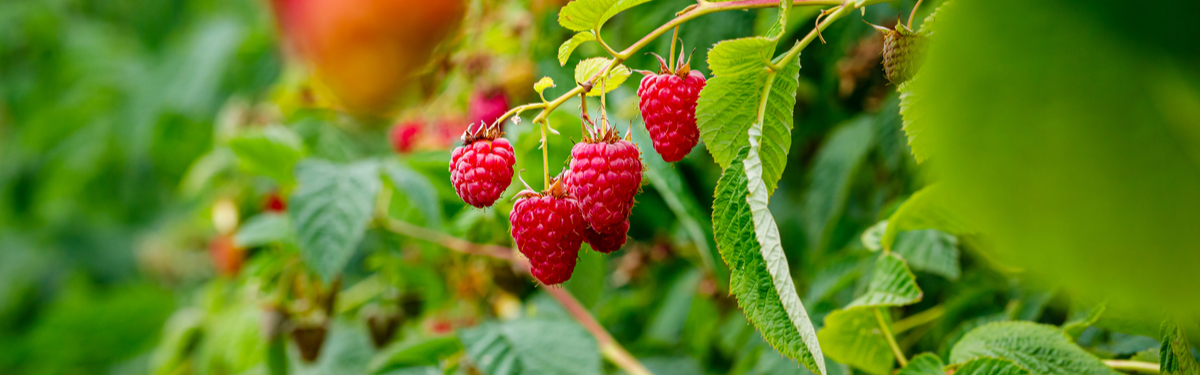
(794, 52)
(887, 333)
(918, 319)
(1133, 366)
(671, 54)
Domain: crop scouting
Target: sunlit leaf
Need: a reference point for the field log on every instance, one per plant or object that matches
(853, 337)
(543, 84)
(330, 210)
(589, 68)
(991, 366)
(564, 51)
(1176, 355)
(581, 15)
(926, 209)
(1040, 348)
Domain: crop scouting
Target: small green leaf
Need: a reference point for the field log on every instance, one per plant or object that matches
(419, 191)
(262, 229)
(582, 15)
(543, 84)
(529, 346)
(829, 181)
(776, 31)
(330, 210)
(926, 209)
(930, 250)
(1176, 356)
(872, 238)
(1081, 317)
(271, 151)
(564, 51)
(991, 366)
(892, 284)
(924, 364)
(853, 337)
(586, 69)
(1040, 348)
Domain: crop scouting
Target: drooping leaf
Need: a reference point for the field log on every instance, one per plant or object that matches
(852, 336)
(729, 105)
(263, 229)
(582, 15)
(530, 346)
(330, 210)
(1040, 348)
(1175, 354)
(930, 250)
(829, 181)
(926, 209)
(991, 366)
(892, 284)
(543, 84)
(419, 191)
(924, 364)
(586, 69)
(271, 151)
(748, 241)
(564, 51)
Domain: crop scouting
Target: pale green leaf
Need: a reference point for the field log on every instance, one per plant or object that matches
(543, 84)
(853, 337)
(262, 229)
(930, 250)
(529, 346)
(991, 366)
(872, 238)
(1081, 317)
(926, 209)
(564, 51)
(271, 151)
(913, 125)
(730, 102)
(748, 241)
(330, 210)
(829, 181)
(587, 69)
(777, 29)
(581, 15)
(418, 190)
(924, 364)
(1175, 354)
(1040, 348)
(892, 284)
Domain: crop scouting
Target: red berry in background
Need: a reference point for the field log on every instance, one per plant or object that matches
(605, 175)
(668, 104)
(404, 136)
(482, 168)
(548, 229)
(486, 107)
(274, 203)
(607, 242)
(226, 257)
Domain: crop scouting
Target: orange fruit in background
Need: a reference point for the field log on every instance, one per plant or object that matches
(367, 51)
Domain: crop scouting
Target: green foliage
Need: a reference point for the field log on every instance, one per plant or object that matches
(330, 210)
(1176, 356)
(926, 209)
(836, 164)
(417, 190)
(924, 364)
(582, 15)
(420, 353)
(532, 346)
(1040, 348)
(991, 366)
(564, 51)
(271, 151)
(892, 284)
(263, 229)
(930, 250)
(586, 69)
(852, 336)
(347, 350)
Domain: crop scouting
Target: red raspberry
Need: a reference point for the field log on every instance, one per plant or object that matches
(482, 167)
(607, 242)
(606, 173)
(404, 136)
(668, 103)
(487, 107)
(548, 229)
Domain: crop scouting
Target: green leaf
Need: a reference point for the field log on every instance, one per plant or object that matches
(347, 350)
(930, 250)
(330, 210)
(836, 163)
(529, 346)
(582, 15)
(924, 364)
(422, 352)
(262, 229)
(271, 151)
(667, 323)
(586, 69)
(1176, 356)
(777, 29)
(852, 336)
(872, 238)
(892, 284)
(748, 240)
(926, 209)
(543, 84)
(730, 103)
(991, 366)
(419, 191)
(1081, 317)
(833, 277)
(1041, 348)
(564, 51)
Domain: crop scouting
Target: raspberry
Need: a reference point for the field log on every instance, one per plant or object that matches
(404, 136)
(668, 103)
(548, 229)
(607, 242)
(482, 167)
(487, 107)
(605, 175)
(901, 48)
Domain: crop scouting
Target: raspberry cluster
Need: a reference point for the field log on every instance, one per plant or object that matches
(548, 229)
(667, 100)
(482, 168)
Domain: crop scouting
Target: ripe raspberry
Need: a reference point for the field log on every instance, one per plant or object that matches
(901, 49)
(605, 175)
(668, 103)
(482, 167)
(548, 229)
(404, 136)
(607, 242)
(487, 107)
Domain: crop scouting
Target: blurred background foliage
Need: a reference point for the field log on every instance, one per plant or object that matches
(146, 150)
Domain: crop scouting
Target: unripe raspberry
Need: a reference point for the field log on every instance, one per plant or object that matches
(548, 229)
(482, 168)
(668, 104)
(901, 51)
(605, 175)
(607, 242)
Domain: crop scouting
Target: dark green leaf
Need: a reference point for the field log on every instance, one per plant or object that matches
(829, 181)
(419, 191)
(530, 346)
(930, 250)
(330, 210)
(991, 366)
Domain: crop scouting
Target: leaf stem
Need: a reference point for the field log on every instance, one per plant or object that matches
(887, 333)
(918, 319)
(794, 52)
(1132, 366)
(516, 111)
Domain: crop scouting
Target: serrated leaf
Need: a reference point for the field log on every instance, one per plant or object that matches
(543, 84)
(419, 191)
(991, 366)
(926, 209)
(924, 364)
(829, 181)
(748, 241)
(1175, 354)
(852, 336)
(564, 51)
(729, 104)
(581, 15)
(529, 346)
(776, 30)
(930, 250)
(1040, 348)
(262, 229)
(330, 210)
(586, 69)
(271, 151)
(913, 125)
(892, 284)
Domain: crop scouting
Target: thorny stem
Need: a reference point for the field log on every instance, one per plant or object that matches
(1133, 366)
(887, 333)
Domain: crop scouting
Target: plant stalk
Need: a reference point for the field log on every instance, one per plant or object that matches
(887, 333)
(918, 319)
(1132, 366)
